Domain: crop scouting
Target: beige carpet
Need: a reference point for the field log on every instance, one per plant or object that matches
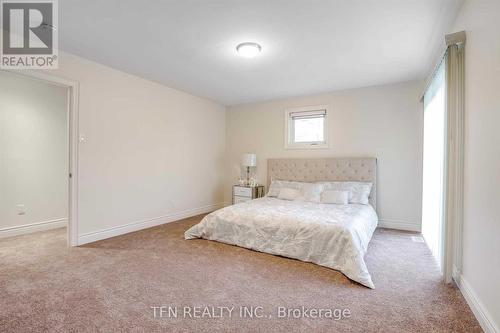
(110, 286)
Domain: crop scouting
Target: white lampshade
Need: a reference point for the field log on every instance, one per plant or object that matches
(249, 160)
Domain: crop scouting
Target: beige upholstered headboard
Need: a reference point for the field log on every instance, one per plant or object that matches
(325, 169)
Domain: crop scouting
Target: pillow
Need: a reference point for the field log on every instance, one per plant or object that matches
(310, 192)
(359, 192)
(287, 193)
(273, 191)
(277, 185)
(335, 197)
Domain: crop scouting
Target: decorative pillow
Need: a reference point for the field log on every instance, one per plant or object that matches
(359, 192)
(273, 191)
(310, 192)
(287, 193)
(277, 185)
(335, 197)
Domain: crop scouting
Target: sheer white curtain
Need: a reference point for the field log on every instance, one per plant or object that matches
(455, 107)
(434, 163)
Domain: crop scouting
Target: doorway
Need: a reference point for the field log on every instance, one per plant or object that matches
(38, 154)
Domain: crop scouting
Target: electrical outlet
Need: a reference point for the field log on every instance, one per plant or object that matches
(21, 209)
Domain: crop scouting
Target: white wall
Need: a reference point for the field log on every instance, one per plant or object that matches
(384, 122)
(33, 153)
(151, 153)
(481, 234)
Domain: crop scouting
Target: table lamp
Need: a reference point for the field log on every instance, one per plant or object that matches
(248, 160)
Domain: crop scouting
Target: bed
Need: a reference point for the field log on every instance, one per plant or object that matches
(330, 235)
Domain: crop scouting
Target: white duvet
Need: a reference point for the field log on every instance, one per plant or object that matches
(334, 236)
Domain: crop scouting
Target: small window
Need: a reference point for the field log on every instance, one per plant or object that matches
(306, 128)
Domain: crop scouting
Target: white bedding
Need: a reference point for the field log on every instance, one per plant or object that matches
(335, 236)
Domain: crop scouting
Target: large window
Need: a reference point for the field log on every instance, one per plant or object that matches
(434, 159)
(306, 127)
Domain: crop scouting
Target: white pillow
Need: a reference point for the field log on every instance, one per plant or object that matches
(277, 185)
(359, 192)
(310, 192)
(273, 191)
(335, 197)
(287, 193)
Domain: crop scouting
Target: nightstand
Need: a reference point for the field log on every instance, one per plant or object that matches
(243, 193)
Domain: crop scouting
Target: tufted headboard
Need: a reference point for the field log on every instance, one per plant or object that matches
(325, 169)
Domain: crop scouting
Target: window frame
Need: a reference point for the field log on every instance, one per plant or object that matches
(289, 126)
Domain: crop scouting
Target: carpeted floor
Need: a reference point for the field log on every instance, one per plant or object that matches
(112, 285)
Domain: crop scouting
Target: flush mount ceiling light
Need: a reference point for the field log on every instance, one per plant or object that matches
(248, 49)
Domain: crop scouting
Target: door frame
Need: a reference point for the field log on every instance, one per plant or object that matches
(72, 126)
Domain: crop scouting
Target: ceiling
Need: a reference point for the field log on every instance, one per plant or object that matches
(308, 46)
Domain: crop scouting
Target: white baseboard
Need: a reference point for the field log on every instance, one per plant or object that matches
(33, 227)
(399, 225)
(477, 307)
(139, 225)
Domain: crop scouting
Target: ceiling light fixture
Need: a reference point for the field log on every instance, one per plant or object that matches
(248, 49)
